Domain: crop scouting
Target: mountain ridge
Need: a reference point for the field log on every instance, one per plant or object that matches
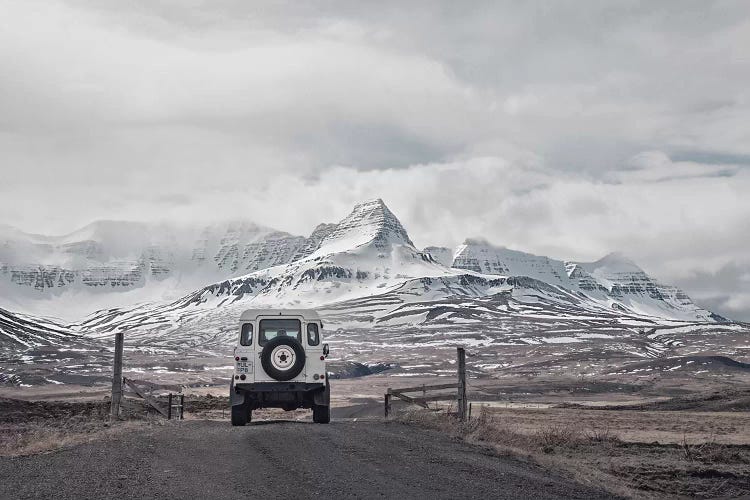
(367, 253)
(366, 271)
(382, 298)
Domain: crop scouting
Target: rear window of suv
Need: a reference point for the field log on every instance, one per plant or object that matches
(313, 337)
(272, 328)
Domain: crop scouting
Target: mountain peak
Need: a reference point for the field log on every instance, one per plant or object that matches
(369, 222)
(478, 241)
(616, 261)
(374, 208)
(371, 202)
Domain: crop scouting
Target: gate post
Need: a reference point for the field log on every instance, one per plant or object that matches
(114, 410)
(461, 353)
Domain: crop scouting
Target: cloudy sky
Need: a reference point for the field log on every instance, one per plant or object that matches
(569, 129)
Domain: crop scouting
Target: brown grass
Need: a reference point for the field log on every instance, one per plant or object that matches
(711, 452)
(30, 438)
(596, 456)
(488, 427)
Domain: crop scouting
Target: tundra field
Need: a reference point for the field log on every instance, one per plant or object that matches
(674, 436)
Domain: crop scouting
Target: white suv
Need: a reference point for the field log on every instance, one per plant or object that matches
(280, 363)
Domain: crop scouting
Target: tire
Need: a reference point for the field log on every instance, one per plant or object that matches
(240, 415)
(282, 348)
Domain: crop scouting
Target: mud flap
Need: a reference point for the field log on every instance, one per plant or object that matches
(323, 398)
(236, 397)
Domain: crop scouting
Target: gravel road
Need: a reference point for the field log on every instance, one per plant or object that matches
(280, 459)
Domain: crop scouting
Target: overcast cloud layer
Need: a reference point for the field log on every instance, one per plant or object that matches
(569, 129)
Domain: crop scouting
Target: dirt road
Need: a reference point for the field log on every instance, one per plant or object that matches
(210, 459)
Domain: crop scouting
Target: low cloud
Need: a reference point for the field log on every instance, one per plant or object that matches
(725, 290)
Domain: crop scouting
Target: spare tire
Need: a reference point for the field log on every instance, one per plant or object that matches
(283, 358)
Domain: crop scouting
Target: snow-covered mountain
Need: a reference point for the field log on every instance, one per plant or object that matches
(116, 263)
(480, 256)
(365, 265)
(366, 254)
(22, 331)
(382, 299)
(365, 270)
(614, 281)
(111, 264)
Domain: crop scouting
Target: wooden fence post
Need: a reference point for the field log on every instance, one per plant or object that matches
(461, 353)
(182, 406)
(387, 403)
(169, 411)
(114, 410)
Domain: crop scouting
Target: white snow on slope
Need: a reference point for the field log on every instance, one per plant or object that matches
(366, 270)
(614, 281)
(480, 256)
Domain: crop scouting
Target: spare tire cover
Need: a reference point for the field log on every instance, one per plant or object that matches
(283, 358)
